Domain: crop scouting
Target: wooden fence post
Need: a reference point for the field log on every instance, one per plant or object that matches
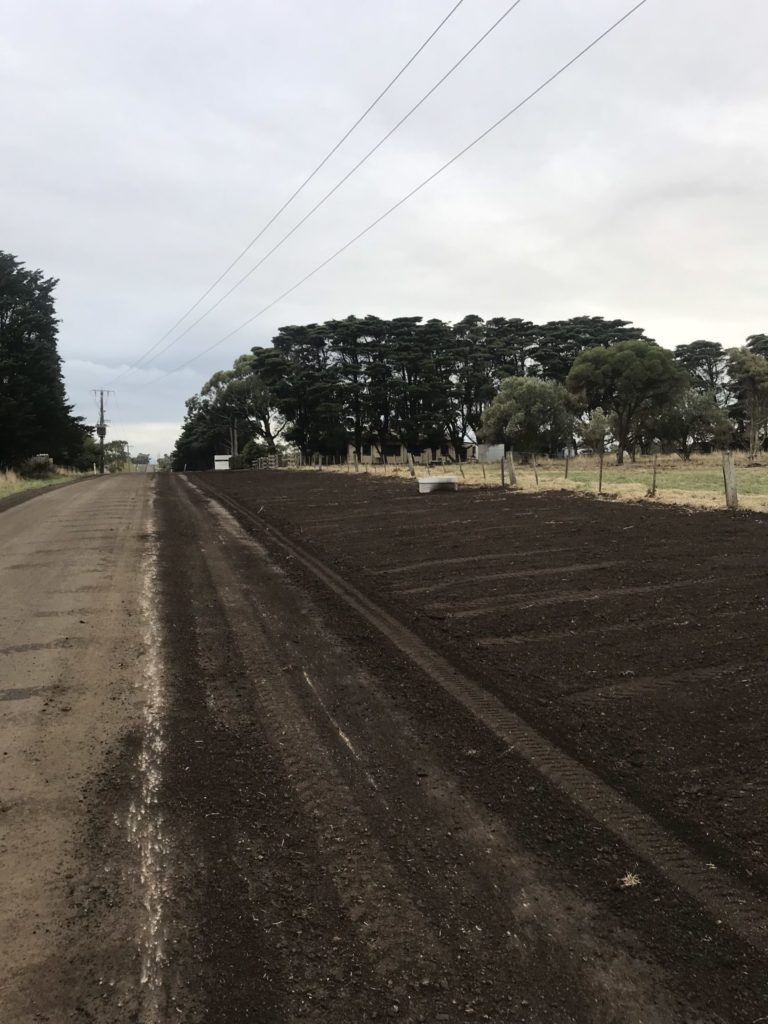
(729, 479)
(652, 492)
(501, 467)
(600, 478)
(482, 466)
(567, 460)
(411, 468)
(511, 467)
(535, 469)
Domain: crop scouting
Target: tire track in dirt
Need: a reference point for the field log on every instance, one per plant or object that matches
(729, 902)
(212, 747)
(367, 884)
(527, 918)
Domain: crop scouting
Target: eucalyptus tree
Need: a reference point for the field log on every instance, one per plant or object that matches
(633, 380)
(530, 415)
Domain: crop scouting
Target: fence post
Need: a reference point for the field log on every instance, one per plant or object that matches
(501, 465)
(729, 479)
(652, 492)
(600, 478)
(567, 460)
(357, 464)
(411, 467)
(482, 466)
(512, 474)
(535, 469)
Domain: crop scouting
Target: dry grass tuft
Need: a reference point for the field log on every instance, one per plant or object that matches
(630, 880)
(12, 483)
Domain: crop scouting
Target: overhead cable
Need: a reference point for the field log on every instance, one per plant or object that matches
(294, 194)
(340, 182)
(409, 195)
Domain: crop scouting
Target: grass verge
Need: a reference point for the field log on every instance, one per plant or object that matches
(12, 483)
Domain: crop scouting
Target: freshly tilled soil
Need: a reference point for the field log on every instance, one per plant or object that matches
(577, 602)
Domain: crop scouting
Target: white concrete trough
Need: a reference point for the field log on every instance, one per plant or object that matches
(427, 484)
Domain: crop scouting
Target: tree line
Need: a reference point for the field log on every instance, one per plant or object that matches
(432, 384)
(35, 416)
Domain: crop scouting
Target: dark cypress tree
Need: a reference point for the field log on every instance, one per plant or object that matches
(34, 414)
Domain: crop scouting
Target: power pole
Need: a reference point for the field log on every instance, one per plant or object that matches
(101, 426)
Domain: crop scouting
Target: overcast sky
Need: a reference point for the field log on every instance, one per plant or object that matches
(144, 144)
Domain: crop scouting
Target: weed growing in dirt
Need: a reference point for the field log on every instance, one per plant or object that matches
(630, 880)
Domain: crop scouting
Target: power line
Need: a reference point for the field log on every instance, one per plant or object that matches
(293, 196)
(340, 182)
(413, 191)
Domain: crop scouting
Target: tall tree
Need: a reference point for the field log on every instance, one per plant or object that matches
(350, 342)
(420, 386)
(203, 435)
(758, 345)
(530, 414)
(560, 342)
(35, 416)
(473, 378)
(749, 385)
(633, 380)
(301, 374)
(706, 363)
(511, 345)
(693, 419)
(241, 398)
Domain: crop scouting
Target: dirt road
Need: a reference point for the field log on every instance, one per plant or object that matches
(71, 668)
(276, 794)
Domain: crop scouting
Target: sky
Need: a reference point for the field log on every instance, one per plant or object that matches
(145, 144)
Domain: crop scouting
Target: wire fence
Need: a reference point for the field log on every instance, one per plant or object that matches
(714, 480)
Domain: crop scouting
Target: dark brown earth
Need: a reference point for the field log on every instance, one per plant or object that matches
(631, 637)
(283, 747)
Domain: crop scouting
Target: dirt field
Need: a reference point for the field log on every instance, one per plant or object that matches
(631, 637)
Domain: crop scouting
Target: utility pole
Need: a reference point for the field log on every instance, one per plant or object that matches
(101, 426)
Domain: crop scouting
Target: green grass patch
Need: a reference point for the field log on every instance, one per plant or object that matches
(12, 483)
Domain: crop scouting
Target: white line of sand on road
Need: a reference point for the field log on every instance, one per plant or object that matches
(146, 828)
